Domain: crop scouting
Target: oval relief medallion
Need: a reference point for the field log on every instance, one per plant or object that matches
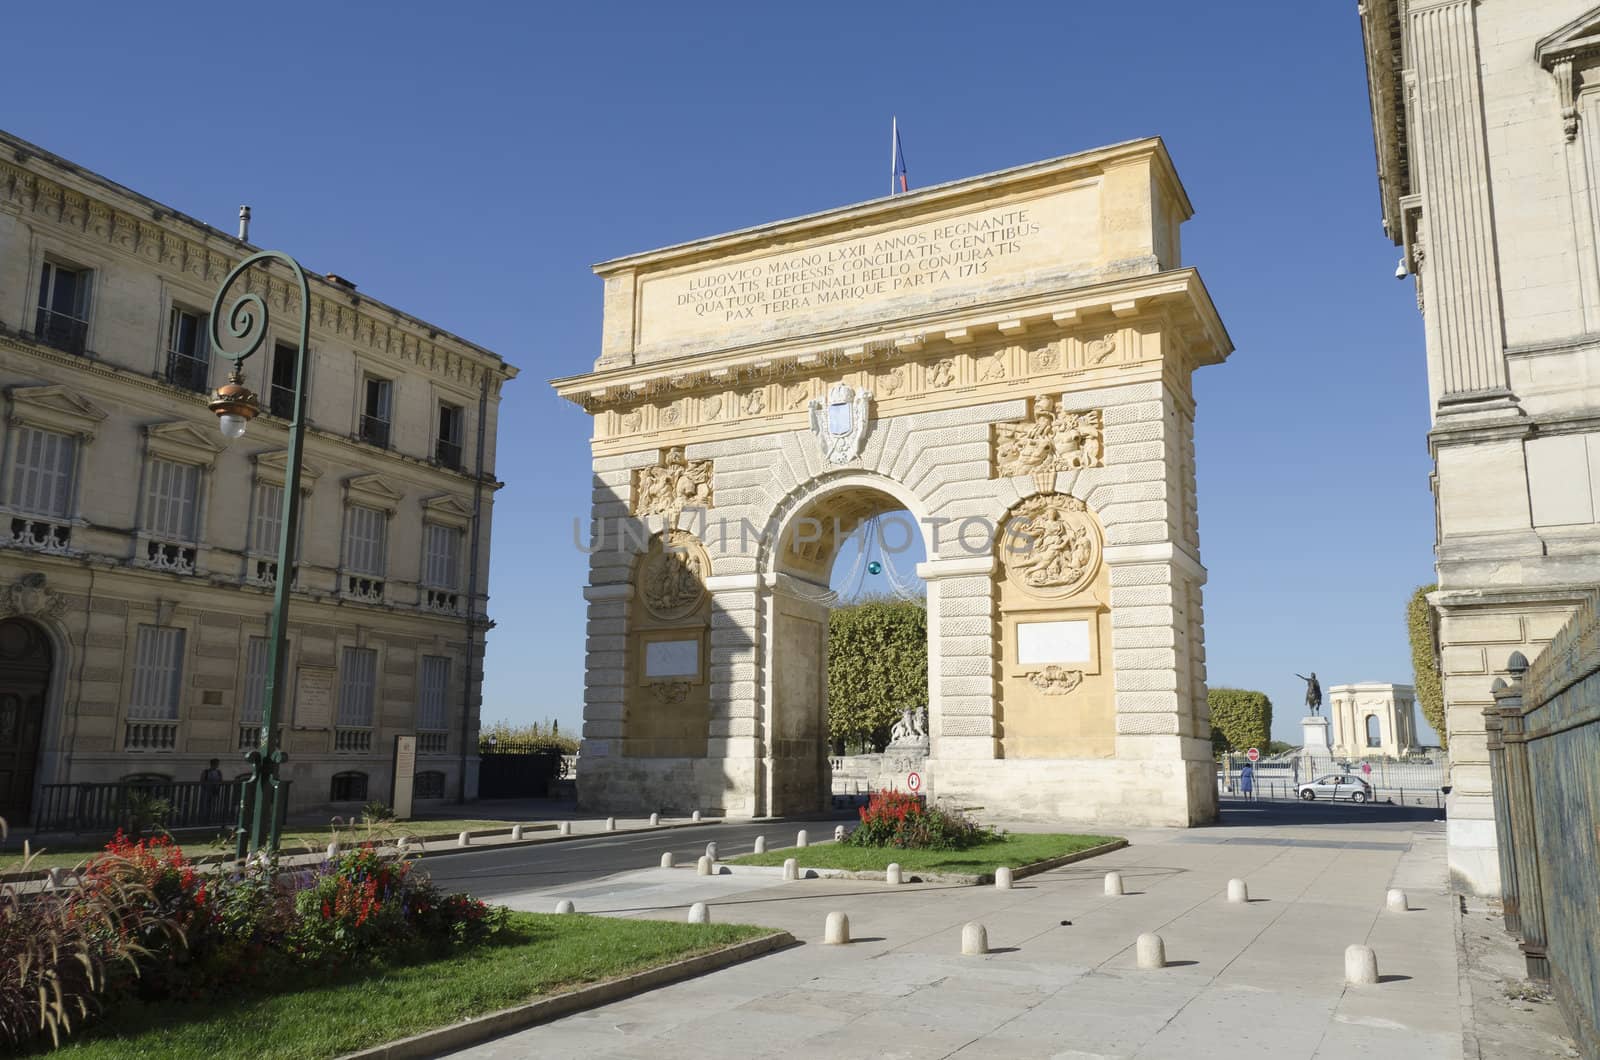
(1051, 545)
(672, 582)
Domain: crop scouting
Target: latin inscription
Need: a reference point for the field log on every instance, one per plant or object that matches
(922, 262)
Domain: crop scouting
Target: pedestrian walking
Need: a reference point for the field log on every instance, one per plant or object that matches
(210, 788)
(1247, 780)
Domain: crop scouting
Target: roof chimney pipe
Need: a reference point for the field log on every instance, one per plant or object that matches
(244, 224)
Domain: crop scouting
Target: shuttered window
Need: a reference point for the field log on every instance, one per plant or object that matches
(364, 540)
(435, 683)
(157, 673)
(267, 521)
(255, 682)
(172, 501)
(442, 559)
(41, 472)
(358, 678)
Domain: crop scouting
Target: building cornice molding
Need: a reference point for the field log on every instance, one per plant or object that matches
(272, 467)
(374, 490)
(1386, 92)
(55, 407)
(146, 230)
(1568, 53)
(182, 441)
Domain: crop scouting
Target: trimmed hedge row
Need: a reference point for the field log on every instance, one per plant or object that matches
(1423, 632)
(877, 668)
(1240, 719)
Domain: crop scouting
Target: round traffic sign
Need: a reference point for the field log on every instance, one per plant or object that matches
(1253, 754)
(914, 781)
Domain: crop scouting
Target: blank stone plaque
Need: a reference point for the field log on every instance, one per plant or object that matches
(672, 658)
(1053, 642)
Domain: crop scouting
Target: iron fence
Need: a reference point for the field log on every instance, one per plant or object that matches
(1544, 768)
(1419, 781)
(137, 805)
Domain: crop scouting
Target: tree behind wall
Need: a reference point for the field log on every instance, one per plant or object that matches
(1240, 719)
(1424, 636)
(877, 668)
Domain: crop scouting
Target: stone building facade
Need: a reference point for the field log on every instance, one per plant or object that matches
(1486, 115)
(1007, 358)
(138, 555)
(1373, 718)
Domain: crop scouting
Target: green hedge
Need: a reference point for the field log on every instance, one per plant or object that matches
(877, 667)
(1423, 634)
(1240, 719)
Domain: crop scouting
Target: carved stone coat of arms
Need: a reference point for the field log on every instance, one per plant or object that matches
(840, 424)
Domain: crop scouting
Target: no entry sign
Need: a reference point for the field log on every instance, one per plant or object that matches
(1253, 754)
(914, 781)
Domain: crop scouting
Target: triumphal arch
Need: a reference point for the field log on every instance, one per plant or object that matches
(1008, 358)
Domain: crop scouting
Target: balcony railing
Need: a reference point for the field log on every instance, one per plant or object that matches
(375, 431)
(369, 590)
(281, 404)
(352, 741)
(442, 601)
(250, 737)
(432, 743)
(41, 535)
(448, 454)
(64, 332)
(150, 736)
(170, 556)
(188, 371)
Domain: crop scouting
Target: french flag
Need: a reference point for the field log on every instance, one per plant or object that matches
(897, 174)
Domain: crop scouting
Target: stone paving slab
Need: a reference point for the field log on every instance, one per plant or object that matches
(1265, 979)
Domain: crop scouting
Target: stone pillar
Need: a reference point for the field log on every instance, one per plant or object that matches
(1494, 732)
(961, 662)
(604, 689)
(736, 675)
(1519, 826)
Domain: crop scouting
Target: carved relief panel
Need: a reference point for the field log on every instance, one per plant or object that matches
(667, 707)
(1049, 441)
(671, 486)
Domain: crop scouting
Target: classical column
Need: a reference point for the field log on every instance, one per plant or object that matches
(962, 668)
(1453, 175)
(739, 733)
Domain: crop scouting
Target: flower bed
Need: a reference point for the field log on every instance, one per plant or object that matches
(896, 819)
(144, 925)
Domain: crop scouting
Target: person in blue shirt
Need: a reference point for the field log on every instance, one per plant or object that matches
(1247, 780)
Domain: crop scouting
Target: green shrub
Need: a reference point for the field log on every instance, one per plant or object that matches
(1423, 632)
(1241, 716)
(533, 736)
(877, 669)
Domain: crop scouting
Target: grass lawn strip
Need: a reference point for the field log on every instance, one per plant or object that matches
(544, 954)
(1016, 849)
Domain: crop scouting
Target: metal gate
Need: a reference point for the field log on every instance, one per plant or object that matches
(512, 770)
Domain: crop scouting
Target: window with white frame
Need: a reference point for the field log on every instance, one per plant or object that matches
(442, 548)
(172, 515)
(41, 472)
(188, 350)
(253, 705)
(266, 525)
(63, 320)
(431, 711)
(365, 551)
(157, 674)
(358, 680)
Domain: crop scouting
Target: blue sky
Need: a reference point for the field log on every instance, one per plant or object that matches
(468, 162)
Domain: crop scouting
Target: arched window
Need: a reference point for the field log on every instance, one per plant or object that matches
(1374, 731)
(349, 787)
(429, 784)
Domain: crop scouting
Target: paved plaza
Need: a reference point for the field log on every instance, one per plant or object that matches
(1261, 979)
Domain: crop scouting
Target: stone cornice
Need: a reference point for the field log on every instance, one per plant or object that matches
(1381, 47)
(1176, 301)
(167, 241)
(876, 211)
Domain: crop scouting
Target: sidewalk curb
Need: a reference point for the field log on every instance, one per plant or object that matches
(950, 879)
(1470, 1049)
(483, 1028)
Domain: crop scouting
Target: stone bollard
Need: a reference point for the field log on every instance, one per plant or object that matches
(58, 878)
(464, 839)
(1002, 878)
(802, 839)
(566, 906)
(1150, 951)
(892, 875)
(516, 833)
(333, 850)
(974, 940)
(761, 844)
(403, 844)
(565, 829)
(695, 816)
(611, 824)
(1396, 902)
(655, 819)
(702, 867)
(699, 913)
(791, 869)
(1113, 883)
(1237, 891)
(711, 851)
(837, 930)
(838, 833)
(666, 860)
(1360, 966)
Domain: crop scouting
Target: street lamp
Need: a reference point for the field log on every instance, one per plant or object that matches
(260, 809)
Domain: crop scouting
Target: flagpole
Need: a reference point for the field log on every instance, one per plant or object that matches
(894, 139)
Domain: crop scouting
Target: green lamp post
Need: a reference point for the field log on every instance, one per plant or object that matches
(260, 808)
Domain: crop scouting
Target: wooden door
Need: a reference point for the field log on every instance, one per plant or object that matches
(24, 683)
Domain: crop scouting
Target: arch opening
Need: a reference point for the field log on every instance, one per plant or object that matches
(26, 661)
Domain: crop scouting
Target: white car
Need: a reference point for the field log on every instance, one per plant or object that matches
(1336, 786)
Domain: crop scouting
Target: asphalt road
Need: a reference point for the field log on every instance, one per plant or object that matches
(491, 873)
